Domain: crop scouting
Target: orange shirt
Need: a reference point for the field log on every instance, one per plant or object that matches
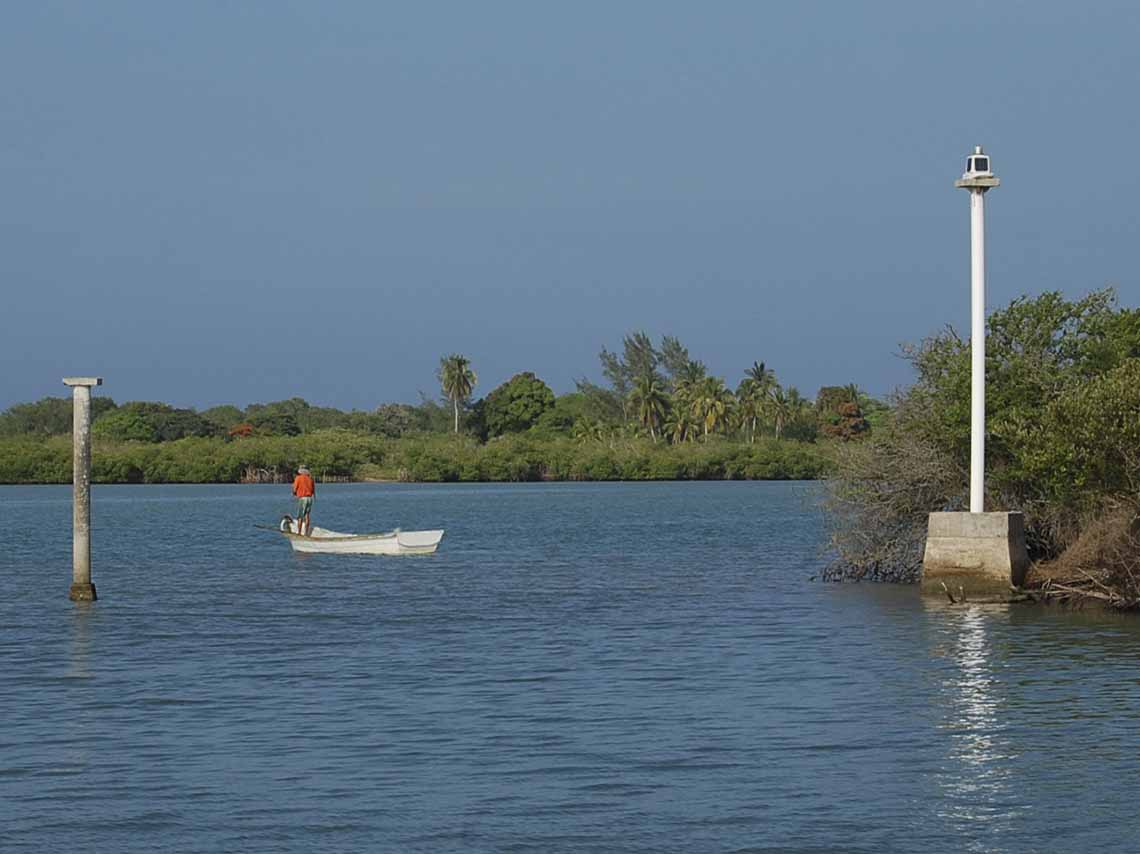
(303, 486)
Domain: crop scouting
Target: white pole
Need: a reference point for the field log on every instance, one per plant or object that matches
(977, 350)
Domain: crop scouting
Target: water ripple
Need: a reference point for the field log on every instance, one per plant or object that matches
(582, 667)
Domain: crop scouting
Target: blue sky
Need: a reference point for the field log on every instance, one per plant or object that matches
(225, 203)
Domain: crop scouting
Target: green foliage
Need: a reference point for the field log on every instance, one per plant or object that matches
(27, 460)
(1085, 445)
(674, 359)
(754, 397)
(876, 411)
(457, 380)
(125, 425)
(440, 458)
(141, 421)
(594, 432)
(223, 417)
(391, 419)
(294, 416)
(599, 404)
(433, 418)
(516, 405)
(1036, 350)
(50, 416)
(563, 417)
(650, 402)
(1039, 353)
(1063, 433)
(274, 422)
(711, 404)
(297, 416)
(639, 360)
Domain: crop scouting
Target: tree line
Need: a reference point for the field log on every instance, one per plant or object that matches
(661, 393)
(656, 393)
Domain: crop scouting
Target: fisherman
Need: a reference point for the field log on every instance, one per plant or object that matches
(304, 489)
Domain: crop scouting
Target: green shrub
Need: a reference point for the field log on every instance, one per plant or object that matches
(341, 453)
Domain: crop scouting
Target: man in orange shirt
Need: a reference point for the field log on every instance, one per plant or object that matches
(304, 489)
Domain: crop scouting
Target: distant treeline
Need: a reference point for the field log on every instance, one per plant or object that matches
(145, 421)
(660, 415)
(337, 454)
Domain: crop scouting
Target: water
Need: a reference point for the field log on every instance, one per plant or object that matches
(594, 667)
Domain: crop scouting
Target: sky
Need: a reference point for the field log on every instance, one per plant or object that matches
(219, 202)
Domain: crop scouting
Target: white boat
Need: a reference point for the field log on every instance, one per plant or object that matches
(324, 541)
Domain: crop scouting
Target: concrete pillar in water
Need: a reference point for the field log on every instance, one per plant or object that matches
(82, 590)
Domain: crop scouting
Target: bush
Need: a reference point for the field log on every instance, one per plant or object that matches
(151, 422)
(50, 416)
(1063, 419)
(345, 454)
(515, 406)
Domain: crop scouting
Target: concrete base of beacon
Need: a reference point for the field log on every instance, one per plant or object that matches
(82, 593)
(978, 556)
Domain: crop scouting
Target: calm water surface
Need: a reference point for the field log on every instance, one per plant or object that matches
(595, 667)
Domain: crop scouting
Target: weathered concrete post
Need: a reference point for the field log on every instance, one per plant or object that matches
(82, 590)
(976, 554)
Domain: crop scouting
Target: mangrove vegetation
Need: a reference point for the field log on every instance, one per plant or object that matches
(659, 415)
(1062, 446)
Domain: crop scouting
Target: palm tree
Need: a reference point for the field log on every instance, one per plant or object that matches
(679, 427)
(685, 382)
(751, 409)
(589, 430)
(691, 374)
(760, 377)
(754, 394)
(797, 405)
(457, 380)
(711, 403)
(781, 408)
(648, 398)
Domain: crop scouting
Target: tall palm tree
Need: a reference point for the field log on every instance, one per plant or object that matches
(457, 381)
(751, 409)
(799, 408)
(781, 408)
(679, 427)
(797, 404)
(649, 401)
(693, 372)
(711, 403)
(754, 394)
(760, 377)
(686, 380)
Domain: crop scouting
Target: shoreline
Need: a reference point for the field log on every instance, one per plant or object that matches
(363, 481)
(339, 456)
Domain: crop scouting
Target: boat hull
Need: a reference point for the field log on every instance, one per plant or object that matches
(392, 543)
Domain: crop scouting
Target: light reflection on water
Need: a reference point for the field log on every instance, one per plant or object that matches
(977, 780)
(582, 667)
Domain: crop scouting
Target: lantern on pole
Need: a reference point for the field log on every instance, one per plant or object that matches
(978, 178)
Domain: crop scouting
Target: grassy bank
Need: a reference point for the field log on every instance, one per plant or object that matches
(342, 454)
